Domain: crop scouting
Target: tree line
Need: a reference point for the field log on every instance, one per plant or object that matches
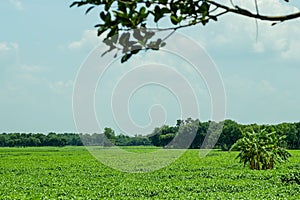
(39, 139)
(231, 132)
(71, 139)
(160, 136)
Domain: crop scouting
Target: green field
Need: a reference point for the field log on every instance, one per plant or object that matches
(73, 173)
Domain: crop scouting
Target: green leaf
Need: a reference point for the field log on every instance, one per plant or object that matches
(101, 29)
(157, 14)
(214, 18)
(89, 9)
(125, 57)
(137, 34)
(174, 20)
(136, 49)
(165, 10)
(148, 4)
(142, 11)
(204, 9)
(113, 31)
(164, 2)
(149, 35)
(108, 4)
(103, 15)
(109, 50)
(124, 39)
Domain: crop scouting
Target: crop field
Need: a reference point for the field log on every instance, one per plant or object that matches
(73, 173)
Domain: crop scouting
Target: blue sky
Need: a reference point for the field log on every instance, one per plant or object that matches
(44, 43)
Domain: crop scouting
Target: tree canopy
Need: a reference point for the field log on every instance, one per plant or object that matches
(288, 133)
(129, 26)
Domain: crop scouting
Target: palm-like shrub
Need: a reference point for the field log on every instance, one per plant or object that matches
(261, 150)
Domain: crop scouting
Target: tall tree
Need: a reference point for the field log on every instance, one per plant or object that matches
(230, 134)
(110, 137)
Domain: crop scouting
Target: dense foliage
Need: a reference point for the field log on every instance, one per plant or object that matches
(129, 26)
(161, 136)
(232, 131)
(39, 139)
(72, 139)
(261, 149)
(73, 173)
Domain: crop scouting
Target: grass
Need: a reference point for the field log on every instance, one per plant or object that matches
(73, 173)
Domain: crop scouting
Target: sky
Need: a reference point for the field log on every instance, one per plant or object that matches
(44, 44)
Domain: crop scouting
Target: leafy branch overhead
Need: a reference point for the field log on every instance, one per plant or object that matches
(130, 26)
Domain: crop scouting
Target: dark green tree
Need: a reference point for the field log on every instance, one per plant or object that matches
(290, 130)
(3, 140)
(110, 137)
(230, 134)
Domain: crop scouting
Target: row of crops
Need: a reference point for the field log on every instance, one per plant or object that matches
(73, 173)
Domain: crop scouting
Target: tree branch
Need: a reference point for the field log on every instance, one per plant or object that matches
(247, 13)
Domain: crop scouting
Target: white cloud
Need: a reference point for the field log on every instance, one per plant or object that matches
(283, 40)
(266, 87)
(61, 86)
(4, 47)
(258, 47)
(264, 100)
(7, 46)
(88, 39)
(30, 68)
(293, 51)
(234, 32)
(265, 7)
(242, 85)
(17, 4)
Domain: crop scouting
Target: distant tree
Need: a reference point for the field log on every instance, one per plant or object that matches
(165, 139)
(172, 136)
(298, 134)
(200, 135)
(230, 134)
(179, 122)
(290, 130)
(110, 137)
(10, 143)
(75, 140)
(138, 140)
(154, 136)
(54, 139)
(3, 141)
(163, 135)
(32, 141)
(122, 140)
(260, 149)
(186, 134)
(109, 133)
(42, 138)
